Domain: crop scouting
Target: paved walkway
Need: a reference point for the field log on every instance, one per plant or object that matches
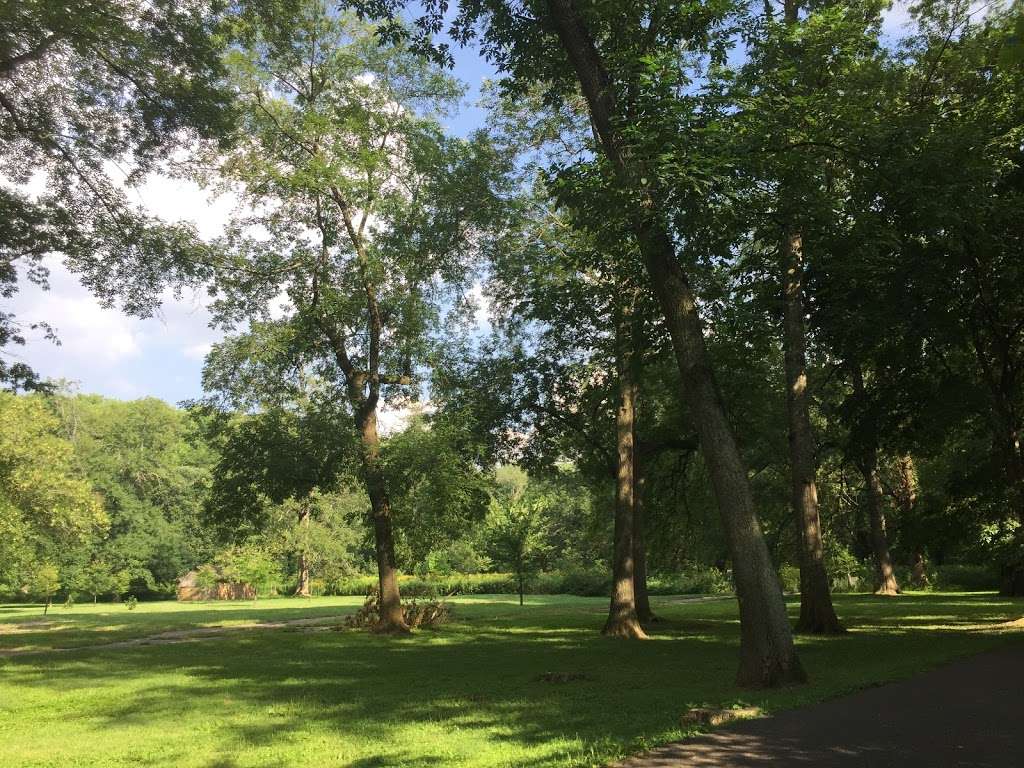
(968, 714)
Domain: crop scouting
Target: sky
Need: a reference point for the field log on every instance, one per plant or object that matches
(106, 352)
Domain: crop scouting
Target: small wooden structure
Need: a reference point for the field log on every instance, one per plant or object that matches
(189, 589)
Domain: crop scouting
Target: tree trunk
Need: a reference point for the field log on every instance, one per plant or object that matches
(1009, 434)
(643, 601)
(817, 615)
(522, 588)
(622, 616)
(885, 575)
(46, 607)
(392, 619)
(1001, 372)
(303, 588)
(767, 654)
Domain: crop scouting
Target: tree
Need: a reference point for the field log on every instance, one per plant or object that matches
(152, 474)
(96, 579)
(85, 86)
(515, 535)
(798, 129)
(286, 452)
(370, 212)
(249, 564)
(48, 510)
(44, 583)
(438, 492)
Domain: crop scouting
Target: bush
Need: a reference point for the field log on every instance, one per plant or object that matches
(962, 577)
(695, 581)
(789, 579)
(419, 586)
(583, 581)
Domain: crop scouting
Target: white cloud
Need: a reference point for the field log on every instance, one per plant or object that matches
(281, 306)
(106, 351)
(181, 200)
(109, 352)
(896, 20)
(87, 331)
(391, 420)
(197, 351)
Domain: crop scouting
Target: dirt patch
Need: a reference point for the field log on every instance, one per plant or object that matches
(32, 625)
(178, 635)
(561, 677)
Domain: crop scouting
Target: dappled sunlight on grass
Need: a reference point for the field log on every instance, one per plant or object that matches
(500, 685)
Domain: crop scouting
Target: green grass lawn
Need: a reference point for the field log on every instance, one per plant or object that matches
(469, 694)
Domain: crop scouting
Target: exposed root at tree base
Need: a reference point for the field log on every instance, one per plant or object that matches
(772, 676)
(392, 629)
(819, 628)
(628, 629)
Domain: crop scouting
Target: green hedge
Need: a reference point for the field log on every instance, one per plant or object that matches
(595, 582)
(964, 578)
(582, 581)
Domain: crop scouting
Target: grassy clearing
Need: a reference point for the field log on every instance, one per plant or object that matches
(25, 627)
(468, 695)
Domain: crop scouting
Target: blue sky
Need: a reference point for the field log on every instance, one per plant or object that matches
(105, 352)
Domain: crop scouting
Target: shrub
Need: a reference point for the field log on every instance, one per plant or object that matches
(964, 577)
(585, 581)
(789, 578)
(694, 581)
(581, 580)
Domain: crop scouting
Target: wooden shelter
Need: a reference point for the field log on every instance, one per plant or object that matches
(189, 589)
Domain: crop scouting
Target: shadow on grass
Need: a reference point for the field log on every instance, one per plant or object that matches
(478, 684)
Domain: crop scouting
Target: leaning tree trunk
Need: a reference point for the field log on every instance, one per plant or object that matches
(303, 588)
(817, 615)
(643, 600)
(392, 619)
(767, 654)
(885, 575)
(622, 617)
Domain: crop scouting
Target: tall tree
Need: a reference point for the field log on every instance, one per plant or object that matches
(791, 68)
(623, 620)
(369, 215)
(767, 655)
(284, 452)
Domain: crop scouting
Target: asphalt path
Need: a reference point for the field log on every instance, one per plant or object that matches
(968, 714)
